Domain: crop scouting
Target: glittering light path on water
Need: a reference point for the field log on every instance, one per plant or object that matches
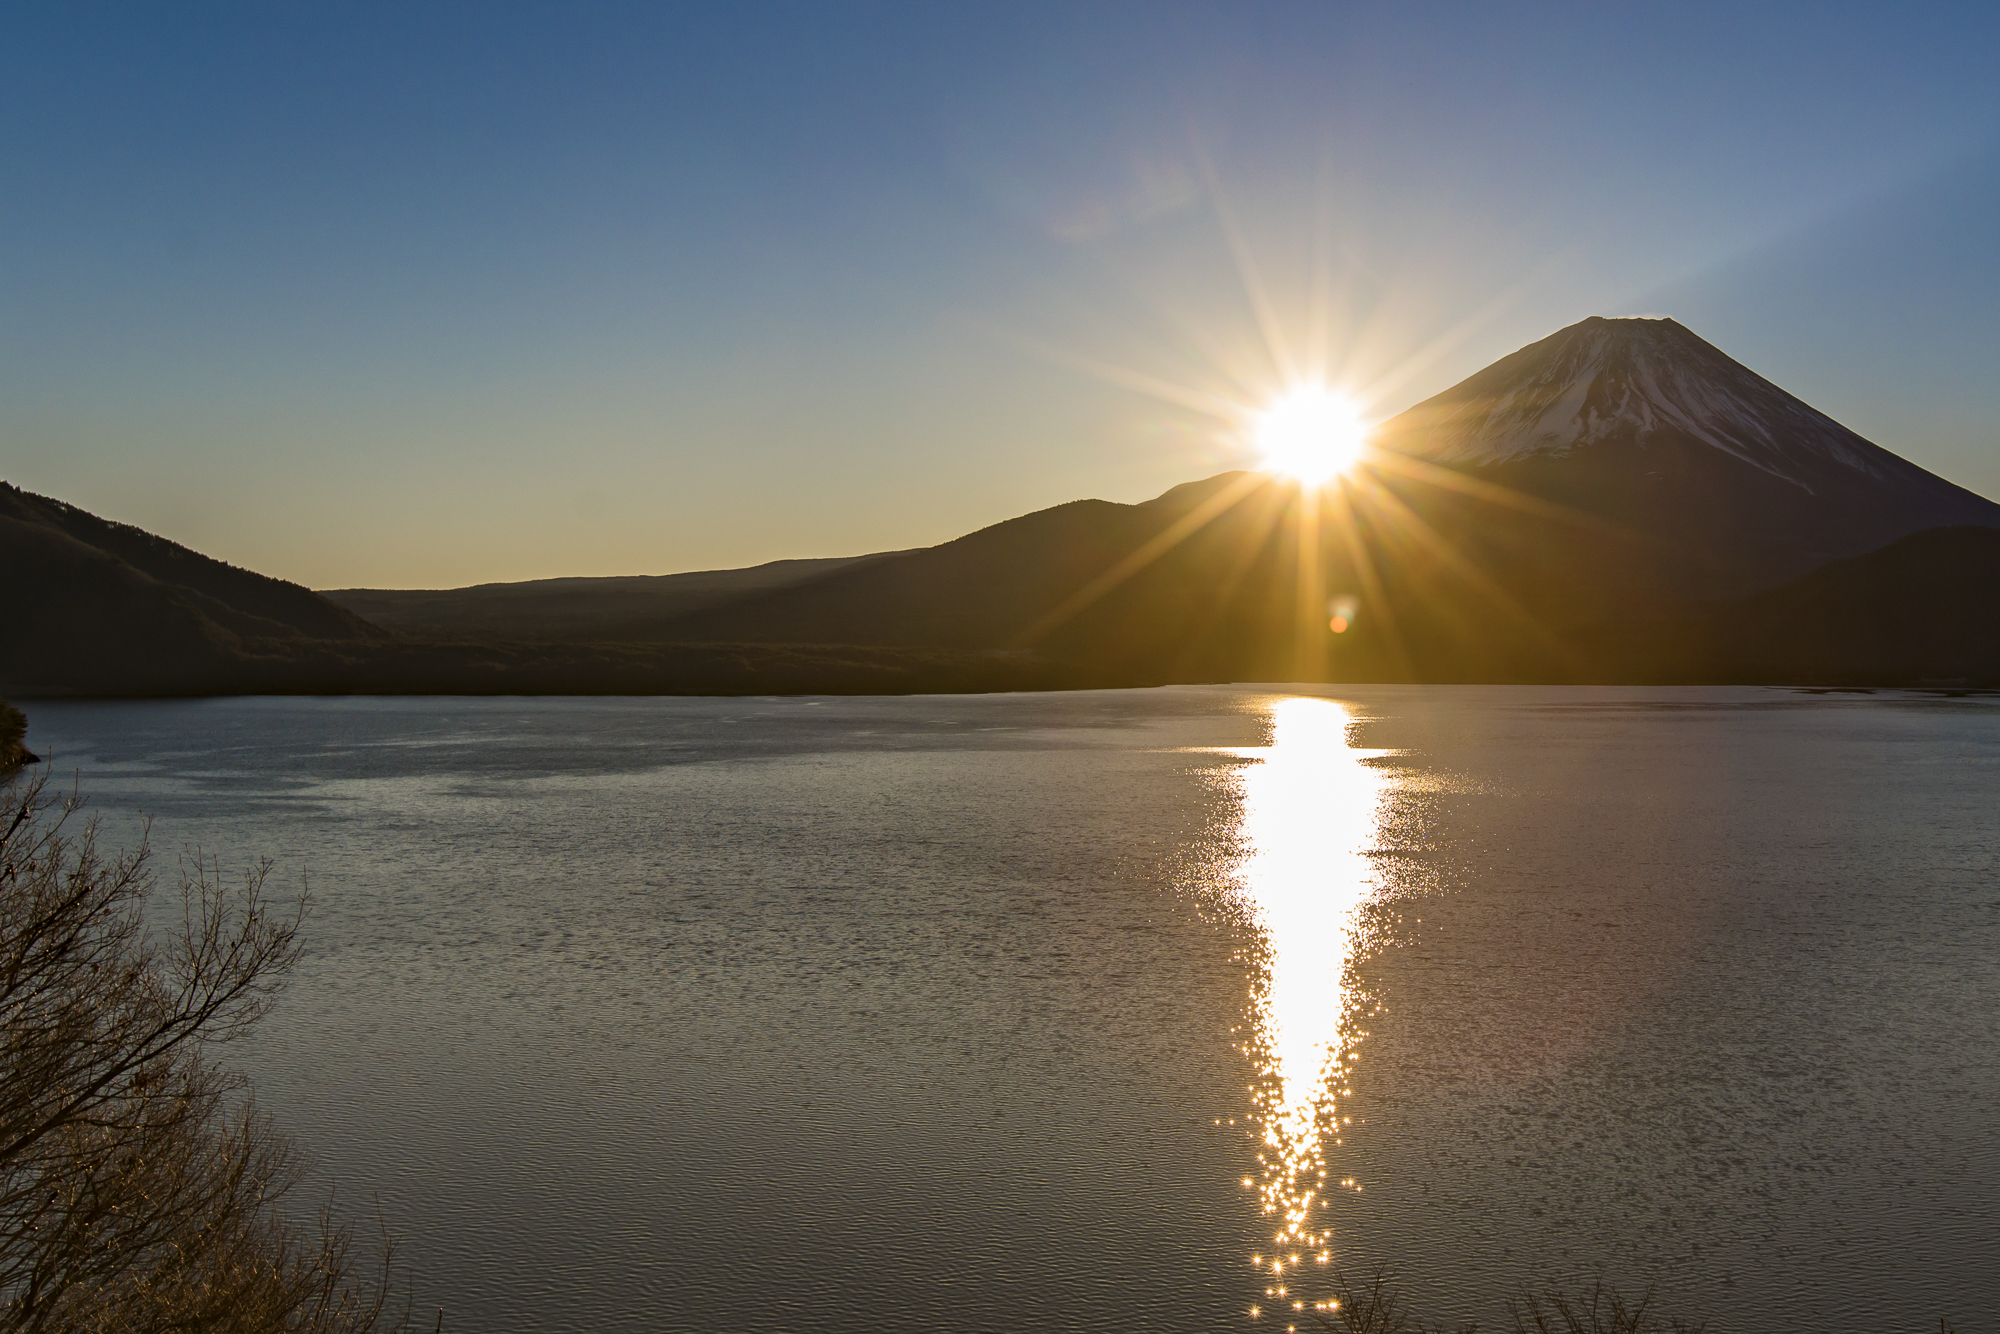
(1311, 808)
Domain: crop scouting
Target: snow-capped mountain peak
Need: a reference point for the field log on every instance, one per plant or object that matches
(1624, 383)
(1641, 424)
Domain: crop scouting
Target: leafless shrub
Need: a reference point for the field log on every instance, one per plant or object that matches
(1374, 1307)
(138, 1188)
(1377, 1307)
(1604, 1311)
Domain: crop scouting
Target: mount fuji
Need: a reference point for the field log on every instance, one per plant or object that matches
(1642, 423)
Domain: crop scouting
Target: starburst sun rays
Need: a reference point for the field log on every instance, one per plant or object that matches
(1303, 409)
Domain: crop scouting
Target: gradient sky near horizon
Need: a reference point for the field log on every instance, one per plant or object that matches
(423, 295)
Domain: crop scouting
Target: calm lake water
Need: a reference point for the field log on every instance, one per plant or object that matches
(1077, 1012)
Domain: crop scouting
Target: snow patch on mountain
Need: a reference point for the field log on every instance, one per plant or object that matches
(1628, 383)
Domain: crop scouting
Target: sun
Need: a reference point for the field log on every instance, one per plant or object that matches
(1311, 433)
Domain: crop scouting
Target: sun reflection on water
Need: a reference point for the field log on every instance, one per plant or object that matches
(1312, 805)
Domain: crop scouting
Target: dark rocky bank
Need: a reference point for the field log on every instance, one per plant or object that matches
(13, 728)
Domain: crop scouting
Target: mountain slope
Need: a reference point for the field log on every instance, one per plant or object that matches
(1924, 610)
(93, 605)
(97, 608)
(1218, 580)
(236, 599)
(627, 607)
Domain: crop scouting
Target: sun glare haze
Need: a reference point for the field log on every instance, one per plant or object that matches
(1312, 433)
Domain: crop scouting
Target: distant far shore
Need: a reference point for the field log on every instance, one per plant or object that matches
(724, 671)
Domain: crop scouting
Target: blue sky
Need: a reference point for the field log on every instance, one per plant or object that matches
(423, 295)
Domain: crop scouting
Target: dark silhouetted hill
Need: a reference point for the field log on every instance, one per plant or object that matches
(1924, 610)
(92, 605)
(618, 608)
(236, 599)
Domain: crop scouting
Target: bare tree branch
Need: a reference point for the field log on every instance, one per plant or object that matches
(139, 1190)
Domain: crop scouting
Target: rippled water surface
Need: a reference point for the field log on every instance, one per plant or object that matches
(1134, 1010)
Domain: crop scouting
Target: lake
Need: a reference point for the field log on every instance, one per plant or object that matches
(1082, 1011)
